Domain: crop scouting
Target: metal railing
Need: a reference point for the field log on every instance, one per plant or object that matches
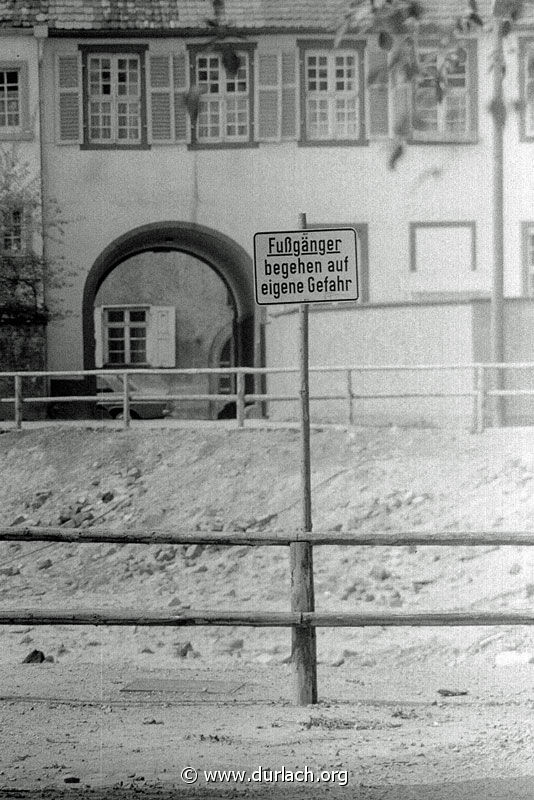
(297, 619)
(481, 387)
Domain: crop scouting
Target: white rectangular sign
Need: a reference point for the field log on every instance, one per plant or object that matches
(306, 266)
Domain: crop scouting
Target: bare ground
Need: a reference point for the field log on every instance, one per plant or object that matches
(221, 697)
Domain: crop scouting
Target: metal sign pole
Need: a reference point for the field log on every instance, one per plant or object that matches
(303, 638)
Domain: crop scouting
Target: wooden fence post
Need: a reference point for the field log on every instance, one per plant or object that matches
(125, 401)
(18, 401)
(240, 405)
(303, 637)
(350, 406)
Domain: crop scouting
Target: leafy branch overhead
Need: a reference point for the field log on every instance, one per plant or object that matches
(398, 26)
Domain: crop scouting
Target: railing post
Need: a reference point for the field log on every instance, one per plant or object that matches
(350, 407)
(125, 401)
(18, 401)
(480, 399)
(240, 405)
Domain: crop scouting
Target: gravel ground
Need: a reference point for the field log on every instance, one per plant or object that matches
(403, 713)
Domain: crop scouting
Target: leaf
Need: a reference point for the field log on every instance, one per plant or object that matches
(396, 154)
(231, 61)
(385, 40)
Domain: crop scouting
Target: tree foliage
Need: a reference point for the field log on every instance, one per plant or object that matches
(398, 25)
(24, 271)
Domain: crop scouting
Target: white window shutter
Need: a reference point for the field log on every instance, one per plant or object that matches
(269, 99)
(161, 336)
(161, 112)
(378, 92)
(289, 95)
(99, 350)
(68, 99)
(180, 71)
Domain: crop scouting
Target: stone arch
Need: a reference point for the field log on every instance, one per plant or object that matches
(227, 258)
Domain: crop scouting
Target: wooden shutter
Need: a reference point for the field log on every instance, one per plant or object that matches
(276, 80)
(269, 99)
(378, 92)
(161, 336)
(182, 127)
(161, 116)
(289, 95)
(68, 92)
(402, 105)
(99, 350)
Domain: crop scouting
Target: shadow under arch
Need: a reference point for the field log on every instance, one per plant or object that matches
(227, 258)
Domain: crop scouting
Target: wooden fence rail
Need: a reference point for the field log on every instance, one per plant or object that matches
(298, 621)
(480, 390)
(267, 538)
(261, 619)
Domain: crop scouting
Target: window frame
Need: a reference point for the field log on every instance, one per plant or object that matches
(306, 47)
(525, 45)
(196, 50)
(7, 231)
(115, 51)
(22, 131)
(441, 137)
(126, 325)
(416, 226)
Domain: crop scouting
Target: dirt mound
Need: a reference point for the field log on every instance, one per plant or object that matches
(363, 480)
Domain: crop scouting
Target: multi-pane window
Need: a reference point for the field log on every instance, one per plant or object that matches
(331, 81)
(224, 108)
(443, 74)
(12, 231)
(10, 111)
(114, 99)
(125, 335)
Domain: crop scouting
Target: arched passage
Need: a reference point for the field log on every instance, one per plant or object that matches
(228, 259)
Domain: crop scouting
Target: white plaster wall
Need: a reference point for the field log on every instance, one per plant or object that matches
(240, 191)
(387, 335)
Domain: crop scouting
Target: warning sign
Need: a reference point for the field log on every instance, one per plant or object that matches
(306, 266)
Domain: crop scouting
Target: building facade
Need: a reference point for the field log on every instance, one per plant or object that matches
(187, 127)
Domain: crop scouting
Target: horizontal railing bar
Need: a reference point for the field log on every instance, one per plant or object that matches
(422, 620)
(270, 619)
(265, 370)
(267, 538)
(509, 392)
(409, 394)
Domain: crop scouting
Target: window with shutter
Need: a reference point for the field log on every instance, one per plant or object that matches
(14, 118)
(68, 128)
(444, 97)
(114, 97)
(332, 93)
(224, 78)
